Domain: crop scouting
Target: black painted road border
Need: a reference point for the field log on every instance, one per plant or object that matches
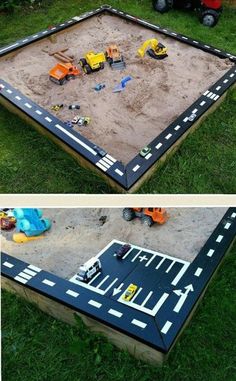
(124, 176)
(160, 331)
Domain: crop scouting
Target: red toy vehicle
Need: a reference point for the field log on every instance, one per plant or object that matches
(209, 10)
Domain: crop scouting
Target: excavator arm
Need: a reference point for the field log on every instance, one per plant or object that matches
(158, 50)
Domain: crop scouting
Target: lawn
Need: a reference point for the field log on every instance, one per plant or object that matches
(206, 161)
(38, 348)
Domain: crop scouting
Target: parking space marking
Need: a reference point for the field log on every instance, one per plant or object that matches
(180, 274)
(136, 294)
(132, 260)
(128, 252)
(8, 264)
(160, 263)
(94, 303)
(141, 308)
(108, 288)
(139, 323)
(147, 298)
(170, 267)
(166, 327)
(150, 260)
(103, 281)
(115, 313)
(95, 277)
(210, 252)
(72, 293)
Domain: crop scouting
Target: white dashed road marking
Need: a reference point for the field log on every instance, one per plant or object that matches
(8, 264)
(48, 282)
(198, 271)
(94, 303)
(166, 327)
(72, 293)
(219, 238)
(139, 323)
(210, 252)
(115, 313)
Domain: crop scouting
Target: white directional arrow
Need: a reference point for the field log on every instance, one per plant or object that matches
(117, 289)
(183, 296)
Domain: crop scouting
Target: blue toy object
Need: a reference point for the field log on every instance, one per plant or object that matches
(30, 221)
(122, 84)
(100, 86)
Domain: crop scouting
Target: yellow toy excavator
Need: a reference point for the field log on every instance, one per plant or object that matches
(156, 51)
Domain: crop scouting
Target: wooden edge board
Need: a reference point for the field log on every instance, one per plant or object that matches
(129, 177)
(158, 332)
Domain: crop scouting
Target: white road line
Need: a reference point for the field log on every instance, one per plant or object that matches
(126, 255)
(139, 323)
(210, 252)
(9, 91)
(32, 273)
(150, 260)
(101, 161)
(160, 263)
(135, 296)
(184, 38)
(8, 264)
(167, 137)
(115, 313)
(177, 127)
(225, 81)
(158, 145)
(159, 303)
(233, 215)
(202, 103)
(111, 158)
(103, 281)
(32, 267)
(216, 97)
(101, 166)
(94, 303)
(206, 92)
(185, 119)
(218, 88)
(72, 293)
(26, 276)
(36, 35)
(148, 156)
(166, 327)
(136, 168)
(8, 47)
(194, 111)
(219, 238)
(48, 282)
(209, 94)
(18, 98)
(207, 46)
(231, 75)
(213, 96)
(147, 298)
(45, 31)
(22, 280)
(28, 105)
(119, 172)
(227, 226)
(107, 160)
(91, 281)
(38, 112)
(180, 274)
(170, 267)
(198, 271)
(195, 42)
(108, 288)
(76, 139)
(136, 256)
(48, 119)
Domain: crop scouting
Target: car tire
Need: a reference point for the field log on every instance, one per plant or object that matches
(209, 17)
(162, 6)
(147, 220)
(82, 62)
(102, 65)
(62, 81)
(87, 69)
(128, 214)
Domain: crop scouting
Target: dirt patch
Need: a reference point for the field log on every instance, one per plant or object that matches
(79, 234)
(122, 123)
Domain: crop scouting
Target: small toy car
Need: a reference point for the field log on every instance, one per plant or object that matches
(144, 151)
(100, 151)
(99, 86)
(130, 292)
(74, 107)
(123, 250)
(81, 120)
(192, 117)
(7, 223)
(57, 107)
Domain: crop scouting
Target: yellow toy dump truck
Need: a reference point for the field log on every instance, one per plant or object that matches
(156, 51)
(92, 62)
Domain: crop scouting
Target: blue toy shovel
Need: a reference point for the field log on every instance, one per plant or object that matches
(122, 84)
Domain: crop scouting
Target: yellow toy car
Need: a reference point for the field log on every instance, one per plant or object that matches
(129, 293)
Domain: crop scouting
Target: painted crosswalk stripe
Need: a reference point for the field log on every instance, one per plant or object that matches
(72, 293)
(115, 313)
(27, 271)
(139, 323)
(94, 303)
(32, 267)
(98, 164)
(8, 264)
(166, 327)
(21, 280)
(107, 160)
(26, 276)
(111, 158)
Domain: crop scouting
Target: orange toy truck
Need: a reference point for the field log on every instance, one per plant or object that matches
(114, 57)
(63, 72)
(147, 215)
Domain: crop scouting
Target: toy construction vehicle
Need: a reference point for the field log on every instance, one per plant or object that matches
(156, 51)
(63, 72)
(208, 10)
(92, 62)
(30, 224)
(148, 215)
(114, 57)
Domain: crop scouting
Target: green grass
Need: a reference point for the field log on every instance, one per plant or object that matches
(205, 163)
(38, 348)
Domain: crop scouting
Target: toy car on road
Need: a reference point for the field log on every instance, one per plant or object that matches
(123, 250)
(144, 151)
(130, 292)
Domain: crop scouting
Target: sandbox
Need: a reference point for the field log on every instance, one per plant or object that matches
(171, 264)
(158, 106)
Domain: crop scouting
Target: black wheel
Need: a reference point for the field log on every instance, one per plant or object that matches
(162, 5)
(147, 220)
(87, 69)
(128, 214)
(62, 81)
(102, 65)
(82, 62)
(209, 17)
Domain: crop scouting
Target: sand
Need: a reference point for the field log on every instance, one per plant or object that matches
(77, 235)
(122, 123)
